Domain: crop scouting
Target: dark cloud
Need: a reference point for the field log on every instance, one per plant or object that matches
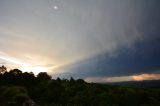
(142, 56)
(110, 37)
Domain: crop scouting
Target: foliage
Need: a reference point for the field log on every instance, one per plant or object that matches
(18, 87)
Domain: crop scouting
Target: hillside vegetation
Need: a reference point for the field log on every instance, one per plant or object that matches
(25, 89)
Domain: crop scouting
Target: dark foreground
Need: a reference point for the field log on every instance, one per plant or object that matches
(24, 89)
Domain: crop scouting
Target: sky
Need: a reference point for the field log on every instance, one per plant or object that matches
(97, 40)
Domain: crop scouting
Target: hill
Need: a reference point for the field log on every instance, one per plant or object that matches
(26, 89)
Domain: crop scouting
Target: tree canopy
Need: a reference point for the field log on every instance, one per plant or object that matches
(25, 89)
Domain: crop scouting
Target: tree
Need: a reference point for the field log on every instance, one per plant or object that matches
(43, 76)
(16, 72)
(3, 69)
(15, 94)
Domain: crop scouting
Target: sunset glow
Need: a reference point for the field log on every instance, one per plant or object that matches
(146, 77)
(33, 69)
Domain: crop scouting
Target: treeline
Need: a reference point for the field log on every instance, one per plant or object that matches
(19, 88)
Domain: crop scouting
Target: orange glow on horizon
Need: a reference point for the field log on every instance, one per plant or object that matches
(138, 78)
(146, 77)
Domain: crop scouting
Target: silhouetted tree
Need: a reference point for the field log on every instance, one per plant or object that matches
(16, 72)
(43, 76)
(3, 69)
(17, 87)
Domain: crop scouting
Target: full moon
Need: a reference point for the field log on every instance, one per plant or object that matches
(55, 7)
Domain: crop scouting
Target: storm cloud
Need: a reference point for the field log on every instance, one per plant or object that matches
(82, 38)
(134, 44)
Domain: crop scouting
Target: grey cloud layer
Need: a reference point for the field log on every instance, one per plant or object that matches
(78, 29)
(133, 41)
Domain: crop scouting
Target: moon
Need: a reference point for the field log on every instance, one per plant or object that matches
(55, 7)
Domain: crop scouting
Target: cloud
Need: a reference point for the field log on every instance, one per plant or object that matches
(28, 65)
(80, 30)
(13, 60)
(143, 57)
(86, 38)
(109, 79)
(146, 77)
(140, 77)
